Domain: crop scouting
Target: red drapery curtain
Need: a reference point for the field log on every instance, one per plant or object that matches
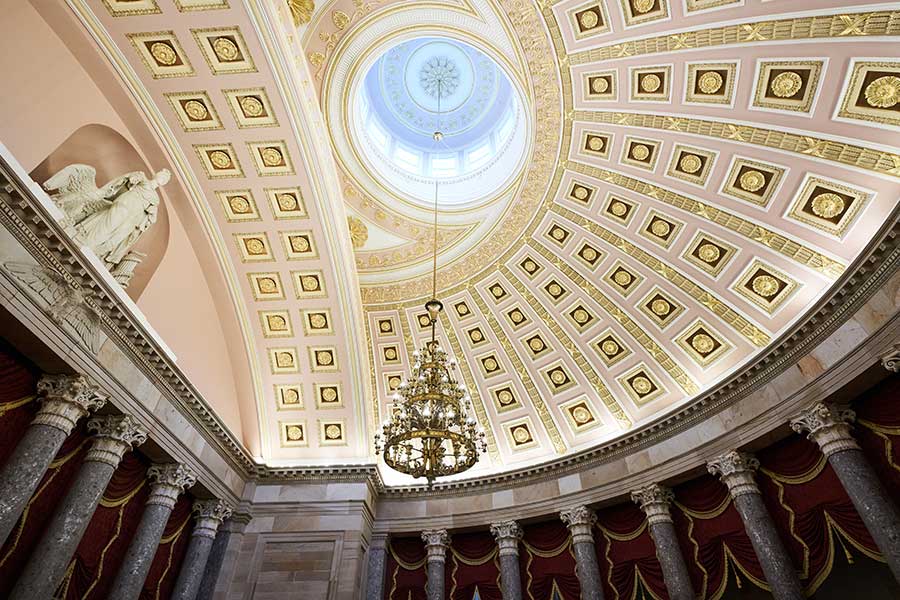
(106, 539)
(18, 384)
(405, 569)
(171, 551)
(626, 554)
(810, 508)
(546, 562)
(472, 564)
(878, 430)
(712, 537)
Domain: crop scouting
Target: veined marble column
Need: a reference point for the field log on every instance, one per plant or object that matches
(65, 399)
(736, 469)
(168, 481)
(829, 427)
(654, 500)
(436, 543)
(49, 560)
(230, 531)
(580, 521)
(377, 564)
(508, 534)
(209, 515)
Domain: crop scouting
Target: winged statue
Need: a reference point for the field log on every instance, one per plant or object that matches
(111, 218)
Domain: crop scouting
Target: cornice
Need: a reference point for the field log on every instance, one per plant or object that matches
(32, 224)
(29, 220)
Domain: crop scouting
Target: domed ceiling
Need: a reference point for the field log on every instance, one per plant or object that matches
(637, 198)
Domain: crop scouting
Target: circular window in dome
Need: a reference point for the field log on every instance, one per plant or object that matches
(434, 109)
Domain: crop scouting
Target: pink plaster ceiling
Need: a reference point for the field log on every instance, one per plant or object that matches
(531, 321)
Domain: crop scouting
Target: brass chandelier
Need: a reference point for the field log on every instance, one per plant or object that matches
(429, 433)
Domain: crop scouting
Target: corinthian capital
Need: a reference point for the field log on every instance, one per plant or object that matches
(436, 543)
(209, 515)
(113, 436)
(580, 521)
(736, 470)
(828, 426)
(507, 534)
(891, 360)
(167, 481)
(66, 399)
(654, 500)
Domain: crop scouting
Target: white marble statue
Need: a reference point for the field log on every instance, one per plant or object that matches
(109, 219)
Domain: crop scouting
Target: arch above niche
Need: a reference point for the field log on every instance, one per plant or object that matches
(107, 151)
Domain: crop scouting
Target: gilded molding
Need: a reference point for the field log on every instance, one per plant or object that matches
(745, 227)
(877, 161)
(537, 399)
(636, 331)
(880, 23)
(611, 404)
(754, 334)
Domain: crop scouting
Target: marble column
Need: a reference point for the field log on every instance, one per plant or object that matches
(508, 534)
(65, 399)
(48, 562)
(829, 427)
(377, 565)
(654, 500)
(168, 481)
(209, 515)
(436, 543)
(231, 530)
(736, 469)
(580, 521)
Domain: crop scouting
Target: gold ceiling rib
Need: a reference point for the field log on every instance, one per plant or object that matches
(569, 345)
(533, 393)
(737, 322)
(472, 386)
(737, 224)
(879, 23)
(879, 161)
(637, 332)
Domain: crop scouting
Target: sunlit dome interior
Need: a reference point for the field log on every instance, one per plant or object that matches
(429, 84)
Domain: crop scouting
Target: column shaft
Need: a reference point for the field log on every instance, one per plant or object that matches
(23, 471)
(47, 565)
(192, 568)
(65, 399)
(209, 514)
(588, 571)
(671, 560)
(376, 569)
(872, 502)
(169, 481)
(131, 576)
(736, 470)
(214, 564)
(510, 578)
(771, 553)
(580, 521)
(434, 588)
(436, 543)
(655, 500)
(829, 427)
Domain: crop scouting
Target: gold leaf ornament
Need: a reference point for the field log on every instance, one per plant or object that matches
(301, 11)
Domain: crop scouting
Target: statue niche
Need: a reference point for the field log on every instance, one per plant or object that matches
(109, 219)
